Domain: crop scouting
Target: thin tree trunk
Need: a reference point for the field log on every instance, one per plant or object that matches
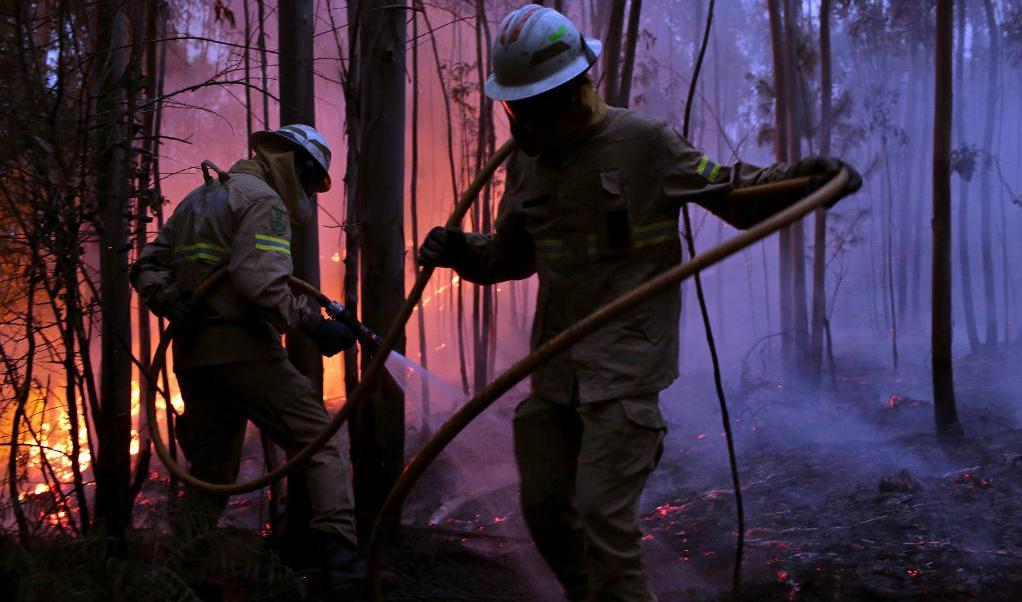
(794, 141)
(964, 264)
(425, 430)
(889, 244)
(780, 149)
(295, 21)
(986, 200)
(612, 50)
(480, 334)
(378, 437)
(22, 391)
(247, 76)
(452, 289)
(945, 412)
(160, 9)
(113, 466)
(143, 28)
(625, 90)
(820, 232)
(263, 63)
(352, 183)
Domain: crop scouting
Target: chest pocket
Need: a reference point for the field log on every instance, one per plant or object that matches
(614, 224)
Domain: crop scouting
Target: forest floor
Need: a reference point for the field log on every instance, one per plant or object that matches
(848, 496)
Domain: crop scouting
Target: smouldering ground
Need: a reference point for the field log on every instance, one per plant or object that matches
(847, 498)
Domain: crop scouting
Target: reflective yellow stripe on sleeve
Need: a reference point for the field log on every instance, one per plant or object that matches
(204, 251)
(708, 169)
(265, 242)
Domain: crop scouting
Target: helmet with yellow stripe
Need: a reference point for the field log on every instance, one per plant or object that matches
(537, 49)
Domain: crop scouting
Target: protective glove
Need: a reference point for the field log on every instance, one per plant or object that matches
(180, 312)
(173, 304)
(821, 169)
(331, 337)
(442, 248)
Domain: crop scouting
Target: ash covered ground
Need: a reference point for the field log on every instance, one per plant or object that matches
(849, 496)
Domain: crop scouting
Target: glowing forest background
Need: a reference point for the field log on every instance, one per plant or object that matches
(107, 109)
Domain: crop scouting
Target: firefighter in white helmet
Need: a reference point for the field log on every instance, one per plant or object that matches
(228, 356)
(591, 205)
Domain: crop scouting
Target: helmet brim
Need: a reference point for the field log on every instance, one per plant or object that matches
(497, 91)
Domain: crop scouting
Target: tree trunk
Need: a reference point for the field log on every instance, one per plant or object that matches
(113, 466)
(143, 28)
(295, 21)
(945, 412)
(889, 245)
(625, 89)
(413, 188)
(482, 296)
(820, 232)
(785, 301)
(352, 228)
(263, 63)
(800, 313)
(985, 175)
(612, 50)
(449, 122)
(964, 263)
(378, 423)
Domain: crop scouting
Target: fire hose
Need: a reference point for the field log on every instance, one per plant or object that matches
(391, 510)
(376, 365)
(828, 193)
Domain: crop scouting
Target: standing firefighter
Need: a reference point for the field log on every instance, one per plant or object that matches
(228, 356)
(591, 205)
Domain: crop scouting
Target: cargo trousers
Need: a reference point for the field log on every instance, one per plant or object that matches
(285, 405)
(583, 468)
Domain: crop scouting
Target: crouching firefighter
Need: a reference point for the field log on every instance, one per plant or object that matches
(591, 205)
(228, 357)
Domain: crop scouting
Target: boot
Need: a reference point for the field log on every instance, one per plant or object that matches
(340, 572)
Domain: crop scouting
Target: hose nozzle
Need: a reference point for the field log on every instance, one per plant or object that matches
(369, 340)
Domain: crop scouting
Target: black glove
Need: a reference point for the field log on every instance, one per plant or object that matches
(173, 304)
(442, 248)
(821, 169)
(331, 337)
(180, 312)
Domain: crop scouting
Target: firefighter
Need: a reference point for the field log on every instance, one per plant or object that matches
(591, 205)
(228, 357)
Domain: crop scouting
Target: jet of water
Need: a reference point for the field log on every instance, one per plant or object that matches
(428, 397)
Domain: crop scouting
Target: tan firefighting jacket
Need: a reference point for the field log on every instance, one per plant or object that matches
(244, 224)
(596, 220)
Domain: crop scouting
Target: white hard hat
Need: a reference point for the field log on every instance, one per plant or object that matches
(305, 137)
(536, 50)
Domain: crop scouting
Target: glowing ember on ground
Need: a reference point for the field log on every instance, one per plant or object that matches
(664, 510)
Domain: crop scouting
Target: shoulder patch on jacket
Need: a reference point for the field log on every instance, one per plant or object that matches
(278, 220)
